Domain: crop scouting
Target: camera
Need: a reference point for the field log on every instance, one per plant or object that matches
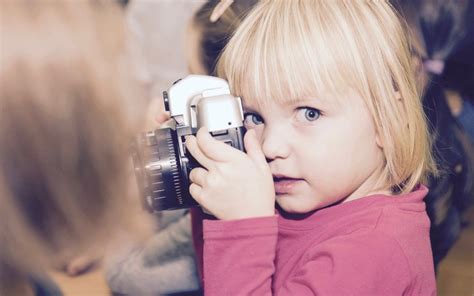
(161, 162)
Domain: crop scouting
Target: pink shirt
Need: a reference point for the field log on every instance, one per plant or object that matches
(377, 245)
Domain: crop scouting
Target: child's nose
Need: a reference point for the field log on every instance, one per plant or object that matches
(275, 144)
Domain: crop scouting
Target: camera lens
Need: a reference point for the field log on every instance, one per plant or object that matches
(162, 173)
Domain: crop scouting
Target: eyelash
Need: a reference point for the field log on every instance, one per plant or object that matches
(254, 119)
(317, 112)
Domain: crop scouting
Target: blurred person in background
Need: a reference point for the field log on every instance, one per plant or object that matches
(443, 48)
(158, 38)
(68, 111)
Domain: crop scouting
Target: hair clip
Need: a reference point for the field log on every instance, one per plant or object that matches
(434, 66)
(219, 10)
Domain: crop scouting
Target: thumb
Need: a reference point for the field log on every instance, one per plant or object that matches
(254, 149)
(79, 265)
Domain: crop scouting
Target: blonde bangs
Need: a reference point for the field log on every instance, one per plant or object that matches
(284, 57)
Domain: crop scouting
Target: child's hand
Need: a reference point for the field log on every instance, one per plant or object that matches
(156, 115)
(231, 184)
(162, 117)
(81, 264)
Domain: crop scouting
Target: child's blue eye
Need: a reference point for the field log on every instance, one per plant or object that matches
(252, 119)
(307, 114)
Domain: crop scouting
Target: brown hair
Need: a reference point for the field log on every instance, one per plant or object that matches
(215, 35)
(65, 125)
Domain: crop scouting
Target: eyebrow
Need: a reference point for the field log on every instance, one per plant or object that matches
(291, 103)
(248, 107)
(249, 110)
(310, 101)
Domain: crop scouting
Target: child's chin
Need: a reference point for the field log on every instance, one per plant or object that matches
(292, 204)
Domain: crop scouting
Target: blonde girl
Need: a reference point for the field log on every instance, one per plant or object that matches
(338, 139)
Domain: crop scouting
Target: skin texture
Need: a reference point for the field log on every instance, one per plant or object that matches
(319, 151)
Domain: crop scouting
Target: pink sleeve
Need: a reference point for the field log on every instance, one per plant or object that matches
(239, 256)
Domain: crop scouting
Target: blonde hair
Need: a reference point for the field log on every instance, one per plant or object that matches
(294, 49)
(65, 127)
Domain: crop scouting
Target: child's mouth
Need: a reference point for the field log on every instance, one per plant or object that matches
(284, 185)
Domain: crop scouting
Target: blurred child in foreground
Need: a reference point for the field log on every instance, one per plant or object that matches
(68, 111)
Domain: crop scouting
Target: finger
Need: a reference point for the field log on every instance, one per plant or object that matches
(195, 150)
(162, 117)
(214, 149)
(254, 148)
(198, 176)
(79, 265)
(196, 192)
(206, 211)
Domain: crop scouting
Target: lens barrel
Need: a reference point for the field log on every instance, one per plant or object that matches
(162, 173)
